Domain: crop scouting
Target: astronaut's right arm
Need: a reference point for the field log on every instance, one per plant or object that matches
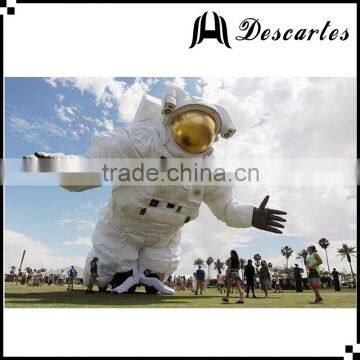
(104, 145)
(229, 210)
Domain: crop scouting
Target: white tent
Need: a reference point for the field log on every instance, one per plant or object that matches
(80, 271)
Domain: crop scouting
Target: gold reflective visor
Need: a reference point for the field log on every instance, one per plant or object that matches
(194, 131)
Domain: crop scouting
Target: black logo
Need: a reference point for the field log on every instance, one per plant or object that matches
(219, 33)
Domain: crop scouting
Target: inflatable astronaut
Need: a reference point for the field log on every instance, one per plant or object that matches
(137, 237)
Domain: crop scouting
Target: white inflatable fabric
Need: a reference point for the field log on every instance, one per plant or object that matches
(139, 277)
(125, 239)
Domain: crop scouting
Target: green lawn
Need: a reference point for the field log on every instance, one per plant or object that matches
(23, 296)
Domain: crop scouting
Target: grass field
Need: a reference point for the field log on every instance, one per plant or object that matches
(23, 296)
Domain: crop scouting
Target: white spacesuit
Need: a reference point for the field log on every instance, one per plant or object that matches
(139, 230)
(140, 227)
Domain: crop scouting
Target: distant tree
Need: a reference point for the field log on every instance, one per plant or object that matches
(12, 269)
(219, 265)
(347, 251)
(302, 255)
(242, 263)
(276, 270)
(29, 270)
(209, 261)
(199, 262)
(287, 251)
(257, 258)
(324, 243)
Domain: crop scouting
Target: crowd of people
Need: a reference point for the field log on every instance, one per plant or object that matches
(194, 283)
(233, 279)
(59, 279)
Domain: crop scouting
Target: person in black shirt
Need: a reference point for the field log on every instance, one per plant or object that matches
(249, 273)
(298, 278)
(93, 275)
(335, 275)
(232, 276)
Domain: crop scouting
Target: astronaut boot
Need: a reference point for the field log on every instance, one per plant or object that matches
(150, 289)
(119, 278)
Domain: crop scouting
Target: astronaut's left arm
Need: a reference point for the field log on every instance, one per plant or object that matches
(226, 208)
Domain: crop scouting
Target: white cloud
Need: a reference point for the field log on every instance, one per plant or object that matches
(66, 113)
(302, 117)
(111, 92)
(37, 255)
(81, 241)
(179, 81)
(36, 130)
(77, 223)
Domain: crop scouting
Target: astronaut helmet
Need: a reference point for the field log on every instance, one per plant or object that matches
(192, 123)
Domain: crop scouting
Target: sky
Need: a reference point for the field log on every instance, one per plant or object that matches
(275, 118)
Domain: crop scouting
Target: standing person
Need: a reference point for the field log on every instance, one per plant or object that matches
(178, 283)
(232, 276)
(194, 282)
(62, 278)
(313, 262)
(93, 275)
(298, 278)
(249, 273)
(335, 275)
(190, 284)
(169, 281)
(220, 282)
(277, 284)
(200, 279)
(264, 275)
(72, 276)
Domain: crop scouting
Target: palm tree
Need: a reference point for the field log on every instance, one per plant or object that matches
(324, 243)
(209, 261)
(287, 252)
(346, 251)
(12, 269)
(242, 263)
(276, 270)
(199, 262)
(302, 255)
(257, 258)
(219, 265)
(28, 270)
